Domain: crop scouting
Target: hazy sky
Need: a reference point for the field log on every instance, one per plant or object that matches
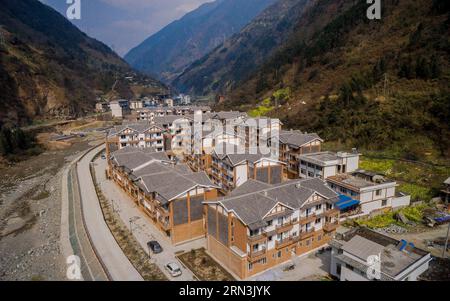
(123, 24)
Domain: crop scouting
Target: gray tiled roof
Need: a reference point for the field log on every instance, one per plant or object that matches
(249, 186)
(138, 127)
(297, 138)
(238, 154)
(133, 157)
(170, 184)
(252, 206)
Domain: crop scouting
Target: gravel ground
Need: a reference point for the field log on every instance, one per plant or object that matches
(30, 215)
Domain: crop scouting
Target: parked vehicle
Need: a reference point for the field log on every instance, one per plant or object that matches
(104, 157)
(174, 269)
(155, 247)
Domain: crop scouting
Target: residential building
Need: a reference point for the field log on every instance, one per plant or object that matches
(139, 135)
(292, 144)
(200, 157)
(101, 107)
(120, 108)
(363, 192)
(361, 254)
(257, 131)
(136, 104)
(170, 194)
(327, 164)
(233, 165)
(260, 225)
(169, 102)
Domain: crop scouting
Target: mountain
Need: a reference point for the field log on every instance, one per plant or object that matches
(241, 54)
(166, 53)
(49, 68)
(373, 84)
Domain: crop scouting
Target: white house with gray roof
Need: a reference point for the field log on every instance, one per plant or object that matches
(327, 164)
(361, 254)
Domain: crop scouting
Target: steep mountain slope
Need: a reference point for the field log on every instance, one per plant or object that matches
(166, 53)
(364, 83)
(240, 55)
(48, 67)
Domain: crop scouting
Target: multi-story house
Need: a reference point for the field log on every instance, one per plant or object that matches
(292, 144)
(327, 164)
(363, 192)
(140, 135)
(170, 194)
(257, 131)
(260, 226)
(120, 108)
(202, 146)
(361, 254)
(136, 104)
(233, 165)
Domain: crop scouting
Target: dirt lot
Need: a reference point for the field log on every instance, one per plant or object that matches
(204, 267)
(30, 194)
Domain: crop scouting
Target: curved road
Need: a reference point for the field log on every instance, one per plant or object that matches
(114, 260)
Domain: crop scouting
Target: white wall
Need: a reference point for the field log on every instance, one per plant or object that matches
(241, 174)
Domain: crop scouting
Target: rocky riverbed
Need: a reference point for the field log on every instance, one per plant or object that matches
(30, 215)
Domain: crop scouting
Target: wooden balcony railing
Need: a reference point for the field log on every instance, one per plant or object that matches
(307, 234)
(308, 219)
(329, 227)
(254, 255)
(285, 227)
(285, 242)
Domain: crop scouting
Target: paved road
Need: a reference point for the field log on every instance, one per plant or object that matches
(74, 239)
(143, 228)
(117, 264)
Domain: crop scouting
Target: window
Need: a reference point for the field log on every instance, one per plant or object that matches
(270, 223)
(294, 234)
(279, 254)
(308, 242)
(383, 203)
(270, 238)
(250, 266)
(317, 221)
(378, 192)
(318, 207)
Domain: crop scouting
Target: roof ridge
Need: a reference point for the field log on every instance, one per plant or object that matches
(269, 189)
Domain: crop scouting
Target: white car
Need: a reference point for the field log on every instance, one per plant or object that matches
(174, 269)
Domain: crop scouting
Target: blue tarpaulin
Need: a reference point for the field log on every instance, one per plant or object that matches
(346, 202)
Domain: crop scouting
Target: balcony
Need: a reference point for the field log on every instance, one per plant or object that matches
(331, 212)
(285, 242)
(307, 234)
(329, 227)
(285, 227)
(308, 219)
(256, 238)
(255, 255)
